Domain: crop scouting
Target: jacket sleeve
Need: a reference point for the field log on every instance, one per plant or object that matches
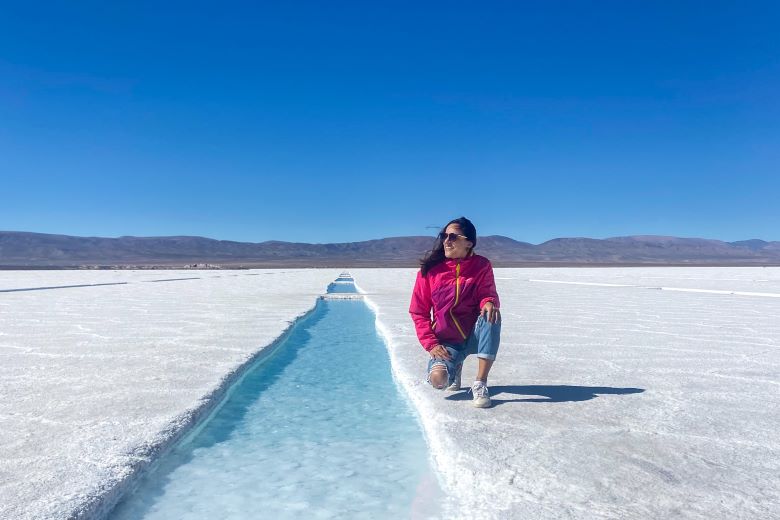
(487, 287)
(420, 309)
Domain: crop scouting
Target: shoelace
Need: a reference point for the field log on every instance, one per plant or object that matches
(480, 390)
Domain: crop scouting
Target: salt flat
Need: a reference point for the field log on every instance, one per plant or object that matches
(95, 380)
(614, 399)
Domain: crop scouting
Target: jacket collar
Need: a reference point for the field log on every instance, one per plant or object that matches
(452, 262)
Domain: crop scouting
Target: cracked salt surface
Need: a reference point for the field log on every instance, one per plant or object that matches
(565, 439)
(610, 401)
(97, 380)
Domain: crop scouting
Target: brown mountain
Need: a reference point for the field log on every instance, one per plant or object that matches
(38, 250)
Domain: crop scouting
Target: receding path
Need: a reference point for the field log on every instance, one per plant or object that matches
(60, 287)
(681, 289)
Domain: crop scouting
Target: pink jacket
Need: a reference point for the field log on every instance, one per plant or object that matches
(455, 290)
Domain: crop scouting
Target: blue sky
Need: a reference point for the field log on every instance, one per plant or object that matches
(346, 121)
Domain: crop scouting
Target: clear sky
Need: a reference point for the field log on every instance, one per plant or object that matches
(345, 121)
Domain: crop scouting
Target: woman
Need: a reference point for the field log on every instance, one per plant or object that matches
(457, 286)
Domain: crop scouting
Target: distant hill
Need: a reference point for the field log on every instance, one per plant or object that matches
(38, 250)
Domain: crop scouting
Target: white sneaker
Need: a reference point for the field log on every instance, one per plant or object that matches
(481, 395)
(455, 386)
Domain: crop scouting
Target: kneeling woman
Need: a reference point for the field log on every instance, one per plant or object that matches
(455, 309)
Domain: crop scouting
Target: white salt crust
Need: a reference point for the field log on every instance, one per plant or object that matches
(568, 437)
(97, 381)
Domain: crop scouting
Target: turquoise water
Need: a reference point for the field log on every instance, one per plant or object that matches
(317, 430)
(342, 288)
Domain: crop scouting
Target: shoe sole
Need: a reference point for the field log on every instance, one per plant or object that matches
(482, 404)
(455, 386)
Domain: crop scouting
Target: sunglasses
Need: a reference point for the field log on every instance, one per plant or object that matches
(452, 237)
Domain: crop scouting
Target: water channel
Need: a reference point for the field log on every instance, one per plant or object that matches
(316, 430)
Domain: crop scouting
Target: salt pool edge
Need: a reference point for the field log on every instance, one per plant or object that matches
(100, 505)
(417, 403)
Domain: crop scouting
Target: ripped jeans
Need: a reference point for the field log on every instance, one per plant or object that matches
(483, 341)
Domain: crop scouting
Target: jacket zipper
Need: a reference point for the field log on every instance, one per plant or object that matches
(457, 297)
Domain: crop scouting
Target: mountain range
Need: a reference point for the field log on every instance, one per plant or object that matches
(39, 250)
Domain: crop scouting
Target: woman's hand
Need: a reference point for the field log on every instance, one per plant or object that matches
(490, 313)
(440, 352)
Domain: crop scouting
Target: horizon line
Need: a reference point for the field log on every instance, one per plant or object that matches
(389, 237)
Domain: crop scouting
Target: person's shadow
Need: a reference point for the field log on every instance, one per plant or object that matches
(546, 393)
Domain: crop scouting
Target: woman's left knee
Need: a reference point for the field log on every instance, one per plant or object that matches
(484, 323)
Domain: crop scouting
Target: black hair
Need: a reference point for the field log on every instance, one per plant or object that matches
(436, 254)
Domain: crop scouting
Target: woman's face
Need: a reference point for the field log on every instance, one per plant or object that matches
(458, 248)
